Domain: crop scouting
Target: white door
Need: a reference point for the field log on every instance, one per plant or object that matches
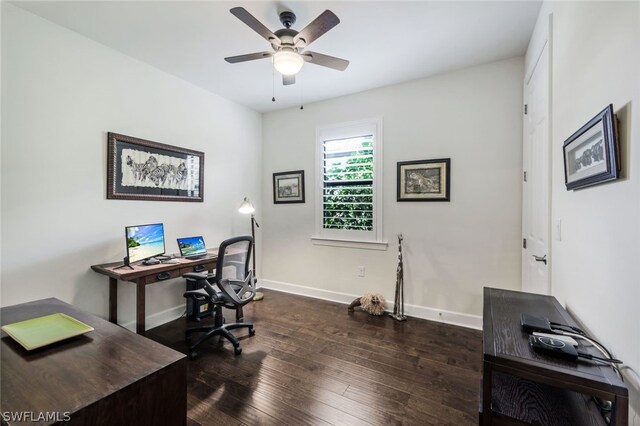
(536, 179)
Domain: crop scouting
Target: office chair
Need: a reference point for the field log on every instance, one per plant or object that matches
(236, 285)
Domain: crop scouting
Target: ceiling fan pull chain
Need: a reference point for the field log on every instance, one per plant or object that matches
(273, 84)
(301, 97)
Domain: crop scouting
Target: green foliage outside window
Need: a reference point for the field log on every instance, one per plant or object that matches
(348, 189)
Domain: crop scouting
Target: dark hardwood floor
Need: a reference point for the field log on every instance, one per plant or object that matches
(312, 363)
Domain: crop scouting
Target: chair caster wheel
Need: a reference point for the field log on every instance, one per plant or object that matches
(193, 355)
(237, 351)
(252, 331)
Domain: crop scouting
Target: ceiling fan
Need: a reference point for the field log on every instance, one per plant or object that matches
(289, 45)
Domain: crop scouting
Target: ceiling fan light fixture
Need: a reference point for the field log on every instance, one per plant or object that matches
(287, 61)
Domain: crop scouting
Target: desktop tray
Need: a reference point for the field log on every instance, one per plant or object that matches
(42, 331)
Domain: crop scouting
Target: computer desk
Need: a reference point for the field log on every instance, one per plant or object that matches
(143, 275)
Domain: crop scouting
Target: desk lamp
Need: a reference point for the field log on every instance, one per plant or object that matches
(247, 208)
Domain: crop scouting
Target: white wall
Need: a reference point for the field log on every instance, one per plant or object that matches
(452, 249)
(61, 93)
(596, 261)
(0, 163)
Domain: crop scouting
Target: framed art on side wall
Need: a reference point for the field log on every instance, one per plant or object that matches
(138, 169)
(424, 180)
(591, 153)
(288, 187)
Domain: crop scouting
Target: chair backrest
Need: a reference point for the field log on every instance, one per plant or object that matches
(234, 255)
(232, 271)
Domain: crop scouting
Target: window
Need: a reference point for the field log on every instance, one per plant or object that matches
(349, 196)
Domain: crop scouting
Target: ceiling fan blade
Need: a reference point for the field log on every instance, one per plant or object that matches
(325, 60)
(257, 26)
(248, 57)
(323, 23)
(288, 80)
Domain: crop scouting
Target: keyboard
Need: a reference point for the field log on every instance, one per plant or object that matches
(195, 256)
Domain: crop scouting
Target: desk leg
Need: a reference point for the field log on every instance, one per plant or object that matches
(113, 300)
(487, 379)
(140, 307)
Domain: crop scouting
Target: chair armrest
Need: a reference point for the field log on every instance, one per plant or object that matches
(199, 294)
(236, 295)
(196, 275)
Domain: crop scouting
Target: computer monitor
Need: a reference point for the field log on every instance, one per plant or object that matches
(144, 241)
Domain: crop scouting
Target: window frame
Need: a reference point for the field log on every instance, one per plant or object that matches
(360, 239)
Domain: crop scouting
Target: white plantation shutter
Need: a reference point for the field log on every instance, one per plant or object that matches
(348, 191)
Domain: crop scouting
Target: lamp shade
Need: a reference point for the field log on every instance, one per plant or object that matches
(287, 61)
(246, 207)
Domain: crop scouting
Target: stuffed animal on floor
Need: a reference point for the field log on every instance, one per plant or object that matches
(373, 303)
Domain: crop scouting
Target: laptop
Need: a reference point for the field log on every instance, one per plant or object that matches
(192, 247)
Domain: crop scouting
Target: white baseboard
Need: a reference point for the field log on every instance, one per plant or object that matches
(444, 316)
(439, 315)
(159, 318)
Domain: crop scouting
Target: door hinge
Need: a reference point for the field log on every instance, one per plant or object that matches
(525, 175)
(524, 243)
(526, 109)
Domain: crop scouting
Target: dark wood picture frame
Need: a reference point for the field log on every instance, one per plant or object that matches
(288, 187)
(424, 180)
(139, 169)
(591, 155)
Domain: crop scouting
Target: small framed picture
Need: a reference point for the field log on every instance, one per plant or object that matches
(591, 153)
(288, 187)
(424, 180)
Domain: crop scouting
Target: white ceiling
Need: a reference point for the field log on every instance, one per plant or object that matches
(386, 42)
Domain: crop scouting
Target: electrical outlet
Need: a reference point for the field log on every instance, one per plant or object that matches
(361, 271)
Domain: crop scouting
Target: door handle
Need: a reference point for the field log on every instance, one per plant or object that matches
(540, 258)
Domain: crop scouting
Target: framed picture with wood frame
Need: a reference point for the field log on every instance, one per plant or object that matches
(424, 180)
(591, 155)
(288, 187)
(138, 169)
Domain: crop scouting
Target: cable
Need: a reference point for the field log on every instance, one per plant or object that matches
(604, 406)
(595, 344)
(593, 341)
(574, 329)
(597, 358)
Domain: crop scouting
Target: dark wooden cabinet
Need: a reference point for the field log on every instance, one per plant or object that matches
(520, 386)
(109, 376)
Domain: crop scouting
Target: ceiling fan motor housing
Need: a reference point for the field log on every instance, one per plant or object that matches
(287, 18)
(286, 36)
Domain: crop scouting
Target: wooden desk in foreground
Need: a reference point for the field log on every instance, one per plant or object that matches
(109, 376)
(142, 276)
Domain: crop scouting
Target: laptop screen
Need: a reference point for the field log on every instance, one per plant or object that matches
(191, 246)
